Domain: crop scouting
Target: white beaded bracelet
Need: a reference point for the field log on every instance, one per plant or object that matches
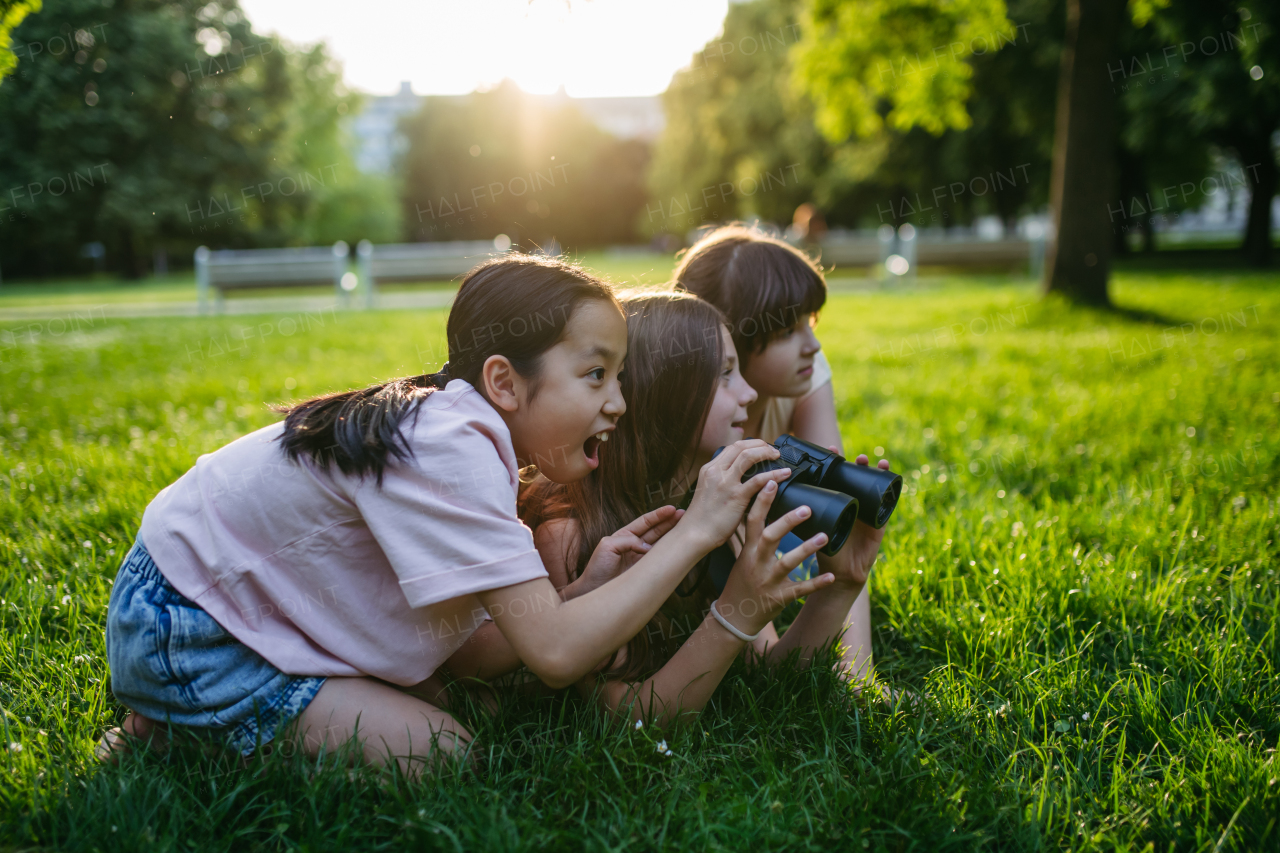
(724, 623)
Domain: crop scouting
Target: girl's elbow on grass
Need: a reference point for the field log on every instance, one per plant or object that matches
(556, 664)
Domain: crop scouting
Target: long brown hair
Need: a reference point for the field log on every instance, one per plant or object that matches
(517, 306)
(763, 285)
(674, 359)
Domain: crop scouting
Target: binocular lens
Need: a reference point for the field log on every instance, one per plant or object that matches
(877, 491)
(832, 513)
(837, 492)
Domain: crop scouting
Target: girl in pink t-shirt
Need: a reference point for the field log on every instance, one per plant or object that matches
(307, 580)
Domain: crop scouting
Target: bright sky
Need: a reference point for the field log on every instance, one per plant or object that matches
(595, 48)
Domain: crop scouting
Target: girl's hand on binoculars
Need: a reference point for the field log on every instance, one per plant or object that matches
(721, 498)
(862, 459)
(852, 564)
(758, 587)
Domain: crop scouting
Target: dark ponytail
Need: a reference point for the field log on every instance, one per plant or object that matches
(517, 306)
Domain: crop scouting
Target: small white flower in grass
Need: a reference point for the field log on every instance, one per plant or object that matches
(80, 659)
(88, 544)
(1085, 715)
(639, 724)
(15, 747)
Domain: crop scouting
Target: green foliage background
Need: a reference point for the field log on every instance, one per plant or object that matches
(734, 115)
(189, 142)
(11, 14)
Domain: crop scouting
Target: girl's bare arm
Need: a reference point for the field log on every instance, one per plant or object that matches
(561, 641)
(682, 687)
(487, 654)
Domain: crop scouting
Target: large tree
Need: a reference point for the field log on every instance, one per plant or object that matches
(848, 43)
(732, 119)
(734, 113)
(1083, 181)
(146, 126)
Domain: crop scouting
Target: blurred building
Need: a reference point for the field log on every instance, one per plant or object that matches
(379, 142)
(378, 139)
(626, 118)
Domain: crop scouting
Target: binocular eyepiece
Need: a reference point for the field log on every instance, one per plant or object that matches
(836, 491)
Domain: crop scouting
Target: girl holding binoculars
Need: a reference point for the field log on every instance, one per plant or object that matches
(771, 293)
(686, 398)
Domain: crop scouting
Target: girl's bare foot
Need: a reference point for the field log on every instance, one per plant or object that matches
(115, 741)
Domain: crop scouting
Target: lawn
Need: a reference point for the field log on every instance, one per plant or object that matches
(1080, 584)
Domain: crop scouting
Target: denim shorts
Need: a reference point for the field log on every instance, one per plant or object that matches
(172, 662)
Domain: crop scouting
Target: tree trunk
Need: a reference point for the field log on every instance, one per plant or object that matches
(1120, 242)
(1262, 180)
(1083, 180)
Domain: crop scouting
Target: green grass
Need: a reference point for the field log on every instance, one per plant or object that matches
(1081, 581)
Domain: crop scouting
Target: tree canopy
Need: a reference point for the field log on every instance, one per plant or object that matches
(11, 14)
(150, 126)
(737, 113)
(1210, 76)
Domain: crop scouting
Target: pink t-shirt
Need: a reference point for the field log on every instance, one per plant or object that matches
(327, 574)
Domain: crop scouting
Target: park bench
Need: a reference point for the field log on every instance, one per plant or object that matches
(241, 269)
(392, 262)
(852, 251)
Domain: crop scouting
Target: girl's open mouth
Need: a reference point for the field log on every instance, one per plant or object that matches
(806, 371)
(591, 447)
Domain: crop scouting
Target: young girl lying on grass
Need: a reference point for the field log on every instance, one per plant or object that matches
(771, 293)
(307, 580)
(685, 398)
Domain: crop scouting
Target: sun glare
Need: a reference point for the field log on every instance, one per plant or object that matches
(593, 48)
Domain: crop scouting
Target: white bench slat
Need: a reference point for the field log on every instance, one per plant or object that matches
(868, 251)
(237, 269)
(400, 262)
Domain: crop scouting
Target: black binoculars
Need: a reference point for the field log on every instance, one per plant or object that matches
(836, 491)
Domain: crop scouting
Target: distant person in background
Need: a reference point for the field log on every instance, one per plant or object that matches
(771, 293)
(807, 226)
